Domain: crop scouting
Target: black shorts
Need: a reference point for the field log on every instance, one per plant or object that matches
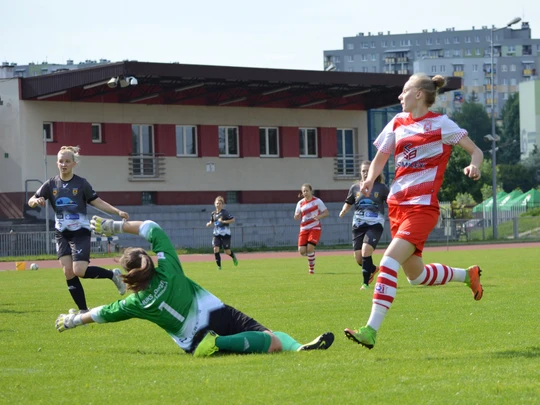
(73, 243)
(369, 234)
(222, 241)
(228, 321)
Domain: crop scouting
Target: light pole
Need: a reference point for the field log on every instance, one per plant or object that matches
(493, 132)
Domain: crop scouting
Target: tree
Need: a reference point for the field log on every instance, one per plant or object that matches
(474, 118)
(455, 182)
(509, 147)
(516, 176)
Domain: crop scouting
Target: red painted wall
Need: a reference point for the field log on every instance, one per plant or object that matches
(208, 140)
(165, 138)
(187, 197)
(327, 140)
(249, 141)
(116, 139)
(289, 145)
(121, 197)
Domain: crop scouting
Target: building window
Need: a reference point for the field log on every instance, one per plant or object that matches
(364, 57)
(456, 40)
(477, 38)
(433, 69)
(365, 69)
(365, 45)
(350, 69)
(437, 41)
(308, 142)
(372, 44)
(417, 42)
(48, 131)
(350, 47)
(96, 133)
(512, 68)
(457, 52)
(505, 96)
(374, 57)
(511, 48)
(475, 82)
(504, 68)
(467, 40)
(447, 41)
(447, 53)
(505, 81)
(186, 140)
(374, 69)
(478, 51)
(232, 197)
(429, 41)
(468, 52)
(148, 197)
(384, 44)
(269, 142)
(228, 141)
(488, 38)
(393, 44)
(442, 68)
(475, 68)
(512, 82)
(350, 58)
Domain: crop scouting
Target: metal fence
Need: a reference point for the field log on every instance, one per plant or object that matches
(278, 236)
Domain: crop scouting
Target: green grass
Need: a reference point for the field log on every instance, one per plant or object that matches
(437, 345)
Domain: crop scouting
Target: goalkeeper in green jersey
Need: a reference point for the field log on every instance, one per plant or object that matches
(198, 321)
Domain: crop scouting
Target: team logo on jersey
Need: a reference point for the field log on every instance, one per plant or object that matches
(358, 195)
(409, 152)
(54, 191)
(376, 194)
(75, 191)
(428, 126)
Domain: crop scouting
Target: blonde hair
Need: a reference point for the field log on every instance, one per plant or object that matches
(74, 150)
(219, 198)
(429, 85)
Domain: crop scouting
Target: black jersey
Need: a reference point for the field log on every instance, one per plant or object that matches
(219, 227)
(368, 210)
(69, 200)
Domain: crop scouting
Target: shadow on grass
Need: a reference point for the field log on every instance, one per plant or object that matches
(12, 311)
(528, 352)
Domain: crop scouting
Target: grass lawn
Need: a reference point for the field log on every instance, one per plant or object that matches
(437, 345)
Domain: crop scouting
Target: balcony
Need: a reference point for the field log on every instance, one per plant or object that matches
(147, 167)
(488, 87)
(403, 72)
(347, 167)
(403, 59)
(459, 73)
(389, 61)
(529, 72)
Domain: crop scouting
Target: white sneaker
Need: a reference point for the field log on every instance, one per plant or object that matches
(118, 282)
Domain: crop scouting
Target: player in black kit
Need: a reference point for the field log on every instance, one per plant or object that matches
(69, 195)
(368, 222)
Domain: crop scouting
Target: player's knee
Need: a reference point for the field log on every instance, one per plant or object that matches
(275, 344)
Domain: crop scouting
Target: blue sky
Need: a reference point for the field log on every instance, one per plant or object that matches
(279, 34)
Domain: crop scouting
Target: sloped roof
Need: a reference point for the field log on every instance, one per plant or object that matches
(173, 83)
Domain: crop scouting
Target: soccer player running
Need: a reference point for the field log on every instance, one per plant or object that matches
(421, 142)
(198, 321)
(367, 223)
(310, 210)
(69, 195)
(221, 219)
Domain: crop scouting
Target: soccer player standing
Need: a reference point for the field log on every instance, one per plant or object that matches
(309, 210)
(198, 321)
(221, 220)
(421, 142)
(69, 195)
(367, 223)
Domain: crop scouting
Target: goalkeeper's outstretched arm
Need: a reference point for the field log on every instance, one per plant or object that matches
(109, 227)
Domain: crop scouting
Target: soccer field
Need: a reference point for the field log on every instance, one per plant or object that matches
(437, 345)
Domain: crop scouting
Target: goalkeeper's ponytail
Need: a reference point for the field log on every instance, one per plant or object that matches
(140, 268)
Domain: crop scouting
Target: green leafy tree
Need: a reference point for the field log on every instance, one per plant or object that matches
(532, 162)
(516, 176)
(455, 182)
(474, 118)
(509, 149)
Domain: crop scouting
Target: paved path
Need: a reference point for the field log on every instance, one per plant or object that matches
(110, 261)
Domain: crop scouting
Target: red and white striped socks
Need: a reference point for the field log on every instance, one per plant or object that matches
(311, 262)
(439, 274)
(386, 286)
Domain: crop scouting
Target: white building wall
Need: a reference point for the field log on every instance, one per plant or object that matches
(529, 116)
(107, 173)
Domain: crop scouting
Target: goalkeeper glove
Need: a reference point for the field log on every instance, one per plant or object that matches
(68, 321)
(106, 227)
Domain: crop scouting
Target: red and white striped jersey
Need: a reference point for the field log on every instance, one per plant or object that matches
(421, 149)
(310, 209)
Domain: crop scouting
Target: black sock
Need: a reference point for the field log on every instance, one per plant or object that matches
(367, 268)
(218, 259)
(232, 254)
(98, 272)
(77, 292)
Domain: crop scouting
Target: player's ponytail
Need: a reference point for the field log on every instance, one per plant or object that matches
(140, 268)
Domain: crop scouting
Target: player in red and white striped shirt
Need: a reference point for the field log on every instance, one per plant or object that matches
(310, 210)
(421, 142)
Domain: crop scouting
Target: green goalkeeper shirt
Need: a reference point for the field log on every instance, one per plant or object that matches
(171, 300)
